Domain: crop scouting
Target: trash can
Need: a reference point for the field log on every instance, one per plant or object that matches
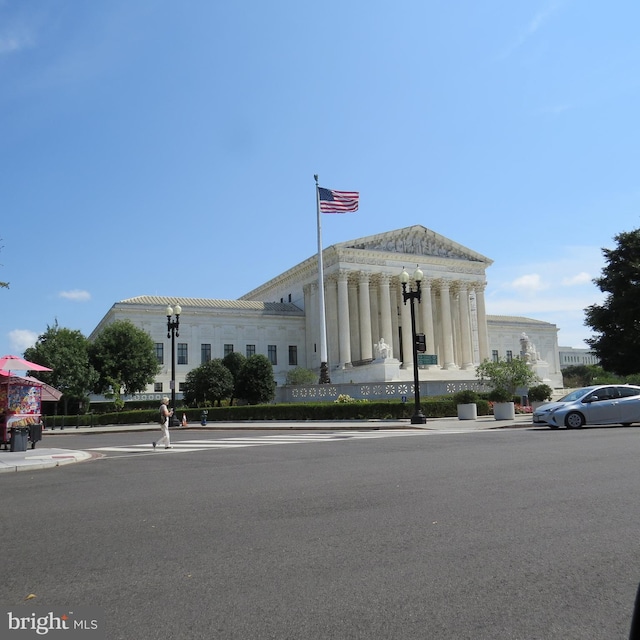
(19, 437)
(203, 418)
(35, 434)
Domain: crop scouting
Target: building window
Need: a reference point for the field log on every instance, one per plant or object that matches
(251, 350)
(205, 353)
(157, 387)
(180, 387)
(293, 355)
(228, 348)
(509, 356)
(272, 354)
(160, 352)
(183, 358)
(494, 355)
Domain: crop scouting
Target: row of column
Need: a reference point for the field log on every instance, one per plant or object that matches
(364, 307)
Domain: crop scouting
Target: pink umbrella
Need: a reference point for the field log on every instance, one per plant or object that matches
(16, 363)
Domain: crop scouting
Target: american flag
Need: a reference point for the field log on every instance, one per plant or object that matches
(338, 201)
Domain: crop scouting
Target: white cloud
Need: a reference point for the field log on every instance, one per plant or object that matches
(541, 17)
(528, 283)
(76, 295)
(556, 290)
(580, 278)
(22, 339)
(535, 24)
(11, 42)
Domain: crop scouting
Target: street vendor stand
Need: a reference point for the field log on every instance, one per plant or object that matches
(21, 403)
(21, 411)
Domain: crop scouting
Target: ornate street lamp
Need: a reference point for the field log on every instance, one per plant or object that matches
(172, 332)
(411, 295)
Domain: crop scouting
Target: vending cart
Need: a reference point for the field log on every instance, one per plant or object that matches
(20, 411)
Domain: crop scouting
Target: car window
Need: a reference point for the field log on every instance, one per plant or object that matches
(628, 392)
(606, 393)
(575, 395)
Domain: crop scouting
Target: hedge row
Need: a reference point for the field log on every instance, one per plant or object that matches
(439, 408)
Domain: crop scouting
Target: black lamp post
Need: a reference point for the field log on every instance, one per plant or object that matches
(411, 295)
(172, 332)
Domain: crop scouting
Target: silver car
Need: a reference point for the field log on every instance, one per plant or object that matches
(601, 404)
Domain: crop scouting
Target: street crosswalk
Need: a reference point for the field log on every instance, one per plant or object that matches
(178, 446)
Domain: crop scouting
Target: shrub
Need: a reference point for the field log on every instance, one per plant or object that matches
(466, 396)
(500, 395)
(540, 393)
(505, 377)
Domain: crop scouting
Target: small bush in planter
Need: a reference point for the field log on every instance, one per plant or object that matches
(500, 395)
(505, 377)
(466, 396)
(540, 393)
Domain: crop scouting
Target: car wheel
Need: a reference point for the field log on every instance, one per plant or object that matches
(574, 420)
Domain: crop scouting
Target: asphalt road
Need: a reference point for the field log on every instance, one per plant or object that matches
(517, 534)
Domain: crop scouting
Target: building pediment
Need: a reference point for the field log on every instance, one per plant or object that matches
(416, 240)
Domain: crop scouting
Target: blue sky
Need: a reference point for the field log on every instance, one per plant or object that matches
(154, 147)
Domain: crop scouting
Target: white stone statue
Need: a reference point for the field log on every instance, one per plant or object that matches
(382, 349)
(528, 350)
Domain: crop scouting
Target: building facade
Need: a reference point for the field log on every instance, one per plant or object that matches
(570, 357)
(368, 326)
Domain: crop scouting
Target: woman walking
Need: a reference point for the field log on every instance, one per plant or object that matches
(165, 414)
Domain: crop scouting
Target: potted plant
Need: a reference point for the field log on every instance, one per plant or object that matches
(539, 394)
(505, 377)
(466, 404)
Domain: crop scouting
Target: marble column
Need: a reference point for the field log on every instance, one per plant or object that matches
(344, 331)
(331, 303)
(396, 304)
(426, 311)
(354, 322)
(465, 327)
(483, 338)
(375, 310)
(386, 325)
(364, 300)
(407, 335)
(447, 326)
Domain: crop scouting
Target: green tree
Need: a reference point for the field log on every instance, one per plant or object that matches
(300, 375)
(234, 361)
(66, 351)
(617, 343)
(256, 383)
(207, 384)
(505, 377)
(125, 359)
(577, 375)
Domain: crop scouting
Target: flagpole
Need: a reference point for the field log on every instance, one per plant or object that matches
(324, 368)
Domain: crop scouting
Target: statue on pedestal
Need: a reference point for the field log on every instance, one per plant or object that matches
(382, 350)
(528, 350)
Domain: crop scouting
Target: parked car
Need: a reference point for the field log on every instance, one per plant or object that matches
(598, 404)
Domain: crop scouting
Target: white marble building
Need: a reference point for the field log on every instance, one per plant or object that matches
(368, 326)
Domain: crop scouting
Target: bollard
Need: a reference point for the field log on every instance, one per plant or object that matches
(203, 419)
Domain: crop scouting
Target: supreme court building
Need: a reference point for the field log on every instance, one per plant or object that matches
(368, 326)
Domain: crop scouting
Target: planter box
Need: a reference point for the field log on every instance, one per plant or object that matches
(467, 411)
(504, 411)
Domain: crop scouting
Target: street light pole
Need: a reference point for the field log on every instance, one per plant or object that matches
(172, 332)
(411, 295)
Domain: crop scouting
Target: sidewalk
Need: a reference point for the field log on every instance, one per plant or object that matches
(44, 458)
